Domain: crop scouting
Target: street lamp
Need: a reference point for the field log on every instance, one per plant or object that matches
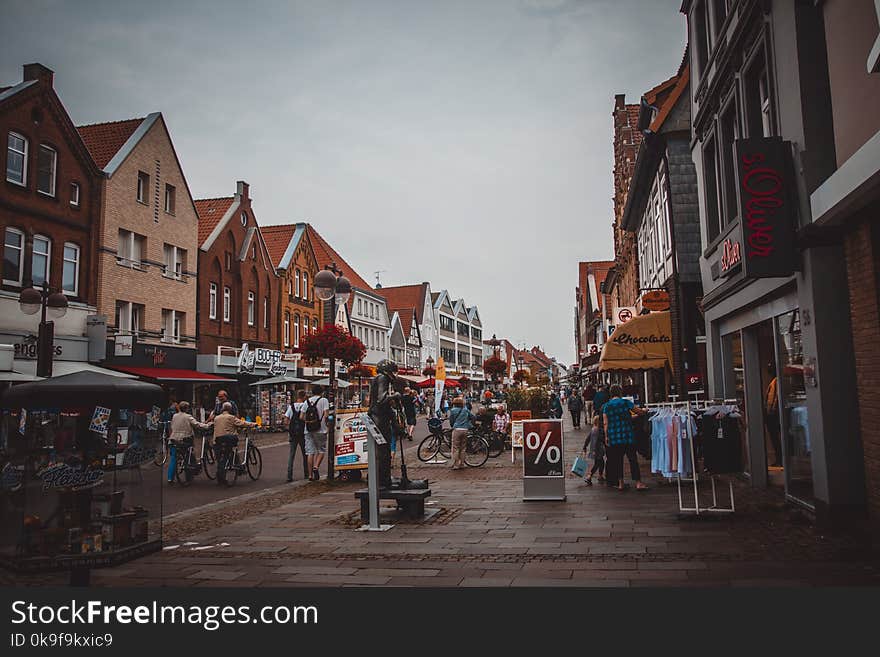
(31, 301)
(332, 286)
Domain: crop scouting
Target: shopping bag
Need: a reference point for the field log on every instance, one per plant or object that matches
(579, 467)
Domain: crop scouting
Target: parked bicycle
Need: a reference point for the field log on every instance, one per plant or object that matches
(438, 442)
(495, 439)
(164, 447)
(243, 458)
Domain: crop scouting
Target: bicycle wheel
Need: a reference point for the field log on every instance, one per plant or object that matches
(428, 448)
(162, 454)
(184, 468)
(496, 444)
(231, 474)
(254, 462)
(209, 463)
(476, 451)
(445, 447)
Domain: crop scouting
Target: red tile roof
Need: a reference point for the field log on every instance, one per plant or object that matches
(405, 297)
(666, 85)
(277, 238)
(325, 255)
(211, 211)
(669, 101)
(105, 139)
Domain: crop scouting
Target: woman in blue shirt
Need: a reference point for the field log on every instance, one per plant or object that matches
(461, 421)
(620, 439)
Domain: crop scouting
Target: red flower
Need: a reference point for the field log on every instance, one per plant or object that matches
(332, 341)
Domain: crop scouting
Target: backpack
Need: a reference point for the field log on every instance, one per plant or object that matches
(312, 417)
(297, 426)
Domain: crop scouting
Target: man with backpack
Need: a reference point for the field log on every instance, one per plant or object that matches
(314, 414)
(296, 429)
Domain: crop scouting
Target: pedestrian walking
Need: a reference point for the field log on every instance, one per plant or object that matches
(620, 439)
(222, 398)
(576, 408)
(226, 425)
(409, 411)
(461, 421)
(555, 406)
(296, 430)
(181, 436)
(599, 400)
(314, 414)
(589, 394)
(594, 446)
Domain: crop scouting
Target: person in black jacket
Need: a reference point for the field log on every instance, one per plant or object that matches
(576, 408)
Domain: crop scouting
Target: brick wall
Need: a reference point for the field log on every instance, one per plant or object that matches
(626, 147)
(37, 114)
(305, 306)
(863, 268)
(153, 155)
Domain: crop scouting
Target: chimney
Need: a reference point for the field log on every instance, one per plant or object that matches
(40, 73)
(242, 189)
(619, 101)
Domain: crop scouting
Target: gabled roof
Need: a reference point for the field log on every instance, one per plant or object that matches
(105, 140)
(282, 240)
(441, 297)
(669, 102)
(211, 211)
(9, 92)
(472, 314)
(325, 255)
(406, 296)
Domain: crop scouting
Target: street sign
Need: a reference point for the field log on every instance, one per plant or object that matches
(543, 464)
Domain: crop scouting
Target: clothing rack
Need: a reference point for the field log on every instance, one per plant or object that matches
(695, 477)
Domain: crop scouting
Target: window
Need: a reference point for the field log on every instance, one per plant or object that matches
(129, 317)
(700, 28)
(130, 249)
(314, 324)
(175, 261)
(286, 329)
(447, 355)
(40, 260)
(727, 162)
(476, 334)
(756, 101)
(47, 160)
(244, 218)
(228, 261)
(305, 289)
(250, 308)
(360, 311)
(447, 323)
(463, 329)
(212, 301)
(290, 287)
(296, 330)
(265, 312)
(13, 257)
(70, 270)
(719, 13)
(169, 198)
(143, 187)
(74, 194)
(382, 341)
(227, 304)
(710, 177)
(296, 278)
(16, 158)
(172, 321)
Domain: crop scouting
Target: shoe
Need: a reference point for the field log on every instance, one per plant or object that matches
(588, 481)
(316, 476)
(289, 479)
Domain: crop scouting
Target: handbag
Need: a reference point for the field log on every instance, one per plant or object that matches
(579, 467)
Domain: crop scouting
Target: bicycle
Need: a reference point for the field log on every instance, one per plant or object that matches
(162, 453)
(476, 450)
(495, 439)
(438, 442)
(251, 460)
(188, 466)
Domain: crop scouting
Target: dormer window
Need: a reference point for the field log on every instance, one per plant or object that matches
(244, 218)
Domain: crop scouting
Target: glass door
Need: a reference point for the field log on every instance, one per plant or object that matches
(792, 403)
(735, 382)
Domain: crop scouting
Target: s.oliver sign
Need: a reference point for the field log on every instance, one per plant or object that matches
(766, 206)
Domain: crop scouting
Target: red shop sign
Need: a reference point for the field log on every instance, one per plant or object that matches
(766, 207)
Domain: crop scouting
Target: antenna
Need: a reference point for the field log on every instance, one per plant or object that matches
(377, 272)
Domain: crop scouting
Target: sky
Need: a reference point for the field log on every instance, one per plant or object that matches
(465, 143)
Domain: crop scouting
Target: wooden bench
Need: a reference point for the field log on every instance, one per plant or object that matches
(410, 501)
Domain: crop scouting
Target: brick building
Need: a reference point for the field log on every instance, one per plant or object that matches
(592, 311)
(50, 203)
(237, 292)
(623, 280)
(147, 248)
(847, 205)
(661, 210)
(299, 312)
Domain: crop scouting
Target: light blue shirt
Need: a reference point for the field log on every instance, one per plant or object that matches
(460, 418)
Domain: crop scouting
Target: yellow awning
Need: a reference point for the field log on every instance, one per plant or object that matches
(643, 343)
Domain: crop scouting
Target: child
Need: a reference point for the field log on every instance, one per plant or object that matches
(596, 443)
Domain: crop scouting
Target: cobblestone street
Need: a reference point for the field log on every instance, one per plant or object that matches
(479, 533)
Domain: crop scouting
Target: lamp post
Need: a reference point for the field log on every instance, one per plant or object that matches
(332, 286)
(31, 301)
(494, 343)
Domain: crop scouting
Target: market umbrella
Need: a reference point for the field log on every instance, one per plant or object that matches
(429, 383)
(84, 389)
(279, 379)
(326, 382)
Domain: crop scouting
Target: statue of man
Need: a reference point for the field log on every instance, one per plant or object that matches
(382, 395)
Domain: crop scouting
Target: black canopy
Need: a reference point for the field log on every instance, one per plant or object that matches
(82, 390)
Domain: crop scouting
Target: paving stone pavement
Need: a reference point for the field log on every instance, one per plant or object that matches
(485, 535)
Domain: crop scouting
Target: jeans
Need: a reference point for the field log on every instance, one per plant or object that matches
(224, 447)
(576, 419)
(614, 472)
(297, 441)
(598, 465)
(172, 460)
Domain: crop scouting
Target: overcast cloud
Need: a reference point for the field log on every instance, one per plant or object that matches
(465, 143)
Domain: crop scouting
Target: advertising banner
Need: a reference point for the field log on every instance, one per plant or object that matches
(439, 383)
(543, 467)
(350, 440)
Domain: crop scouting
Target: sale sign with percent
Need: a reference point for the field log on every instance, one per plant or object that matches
(543, 466)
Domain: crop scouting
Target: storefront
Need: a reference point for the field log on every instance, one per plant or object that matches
(638, 356)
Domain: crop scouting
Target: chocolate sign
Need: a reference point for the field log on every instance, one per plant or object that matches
(766, 210)
(62, 475)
